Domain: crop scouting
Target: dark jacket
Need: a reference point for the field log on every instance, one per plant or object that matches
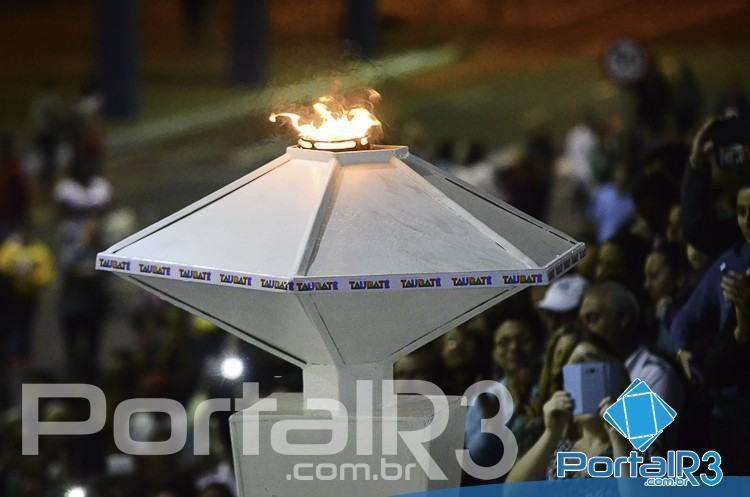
(701, 226)
(705, 325)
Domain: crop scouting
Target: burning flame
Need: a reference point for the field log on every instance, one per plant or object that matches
(333, 126)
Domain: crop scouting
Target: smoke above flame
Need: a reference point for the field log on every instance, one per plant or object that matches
(331, 119)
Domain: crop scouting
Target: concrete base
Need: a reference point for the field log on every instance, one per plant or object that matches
(328, 381)
(344, 474)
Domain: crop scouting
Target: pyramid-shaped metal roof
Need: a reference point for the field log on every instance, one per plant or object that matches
(342, 257)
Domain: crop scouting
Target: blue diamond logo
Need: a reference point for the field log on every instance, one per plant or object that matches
(640, 415)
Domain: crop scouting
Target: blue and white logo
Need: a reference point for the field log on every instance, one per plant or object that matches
(640, 415)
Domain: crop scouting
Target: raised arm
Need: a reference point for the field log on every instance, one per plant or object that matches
(533, 465)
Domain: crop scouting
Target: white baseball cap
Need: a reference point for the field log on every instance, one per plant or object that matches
(565, 294)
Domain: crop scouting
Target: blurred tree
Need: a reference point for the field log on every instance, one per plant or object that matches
(248, 43)
(118, 64)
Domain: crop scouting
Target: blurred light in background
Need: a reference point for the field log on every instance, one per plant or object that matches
(232, 368)
(75, 492)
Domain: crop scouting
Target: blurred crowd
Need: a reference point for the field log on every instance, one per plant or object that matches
(171, 354)
(663, 292)
(661, 198)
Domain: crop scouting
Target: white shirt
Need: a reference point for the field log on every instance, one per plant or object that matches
(580, 141)
(96, 195)
(657, 374)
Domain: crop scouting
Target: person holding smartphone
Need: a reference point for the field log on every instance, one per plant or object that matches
(610, 311)
(704, 226)
(585, 432)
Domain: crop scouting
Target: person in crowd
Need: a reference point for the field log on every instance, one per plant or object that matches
(621, 260)
(539, 142)
(664, 274)
(28, 264)
(82, 198)
(561, 301)
(574, 175)
(473, 167)
(703, 225)
(525, 182)
(87, 127)
(559, 347)
(611, 206)
(48, 117)
(720, 304)
(517, 346)
(459, 350)
(610, 263)
(587, 266)
(588, 433)
(14, 188)
(481, 327)
(712, 336)
(580, 142)
(573, 178)
(84, 191)
(422, 364)
(654, 193)
(697, 260)
(610, 311)
(523, 185)
(83, 297)
(663, 263)
(669, 290)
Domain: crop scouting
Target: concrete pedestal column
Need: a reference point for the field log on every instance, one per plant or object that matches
(327, 381)
(274, 457)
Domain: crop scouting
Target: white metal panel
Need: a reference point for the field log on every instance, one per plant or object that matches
(277, 320)
(541, 243)
(208, 199)
(373, 327)
(384, 221)
(259, 227)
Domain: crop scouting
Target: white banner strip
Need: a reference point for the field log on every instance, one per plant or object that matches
(367, 283)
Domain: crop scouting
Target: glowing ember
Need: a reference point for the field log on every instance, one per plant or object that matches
(333, 125)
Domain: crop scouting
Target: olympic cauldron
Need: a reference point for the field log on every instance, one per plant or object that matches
(341, 262)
